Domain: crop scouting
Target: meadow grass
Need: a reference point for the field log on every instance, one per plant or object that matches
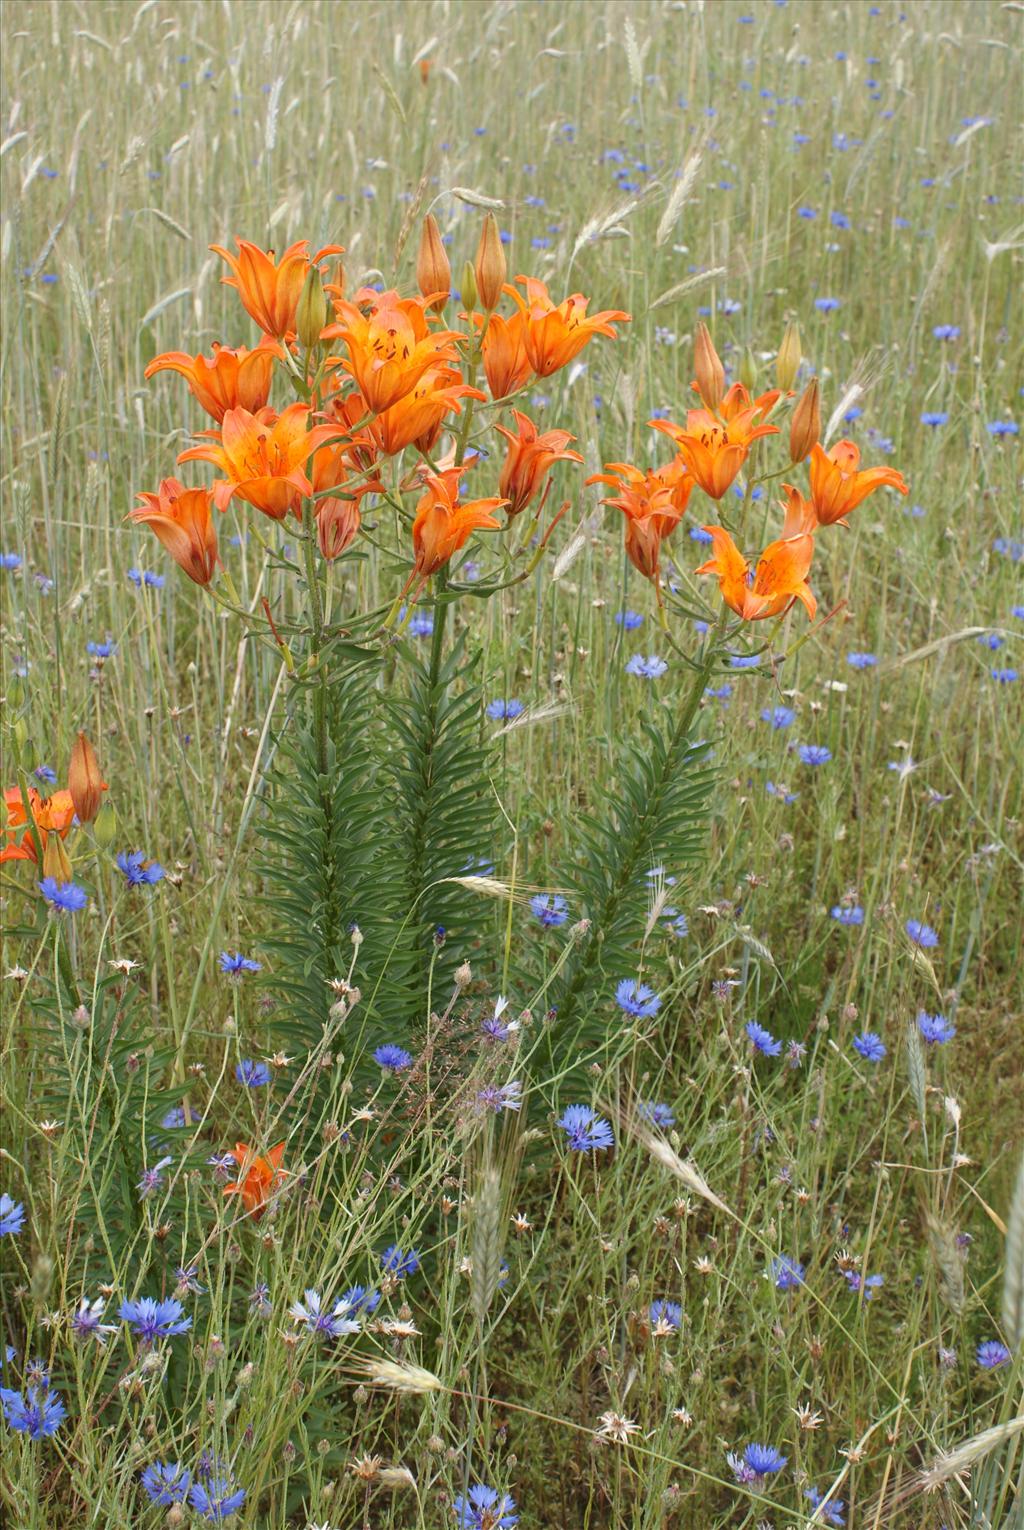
(745, 161)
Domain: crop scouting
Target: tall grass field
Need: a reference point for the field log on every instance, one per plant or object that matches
(512, 578)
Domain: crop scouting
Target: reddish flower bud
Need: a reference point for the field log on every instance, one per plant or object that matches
(805, 426)
(433, 269)
(491, 269)
(85, 782)
(709, 370)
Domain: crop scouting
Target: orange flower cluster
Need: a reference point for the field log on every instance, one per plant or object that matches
(49, 819)
(398, 376)
(711, 451)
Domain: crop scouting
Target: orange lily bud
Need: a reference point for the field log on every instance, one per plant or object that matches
(85, 783)
(805, 427)
(56, 863)
(491, 268)
(787, 362)
(748, 369)
(433, 269)
(709, 369)
(469, 294)
(311, 314)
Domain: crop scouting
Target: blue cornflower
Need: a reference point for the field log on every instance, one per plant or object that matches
(46, 773)
(946, 331)
(483, 1508)
(393, 1059)
(854, 915)
(10, 561)
(254, 1075)
(762, 1040)
(12, 1215)
(826, 304)
(631, 620)
(101, 650)
(677, 925)
(935, 1029)
(718, 692)
(174, 1118)
(814, 754)
(991, 640)
(499, 1097)
(504, 710)
(838, 220)
(585, 1130)
(650, 668)
(1009, 547)
(1018, 612)
(37, 1414)
(361, 1299)
(779, 717)
(494, 1026)
(869, 1284)
(87, 1322)
(861, 660)
(66, 896)
(657, 1114)
(698, 534)
(745, 661)
(166, 1482)
(637, 999)
(870, 1046)
(422, 625)
(400, 1262)
(935, 417)
(154, 1320)
(219, 1499)
(776, 789)
(786, 1274)
(550, 909)
(833, 1511)
(756, 1463)
(152, 1179)
(992, 1354)
(665, 1314)
(234, 964)
(1003, 428)
(921, 934)
(1004, 676)
(323, 1321)
(137, 870)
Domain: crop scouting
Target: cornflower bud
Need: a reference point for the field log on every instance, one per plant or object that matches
(433, 271)
(707, 365)
(105, 828)
(748, 369)
(311, 314)
(787, 362)
(468, 287)
(85, 783)
(805, 427)
(491, 269)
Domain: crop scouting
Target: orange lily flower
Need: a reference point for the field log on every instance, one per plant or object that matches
(737, 400)
(390, 348)
(347, 413)
(653, 503)
(417, 418)
(258, 1177)
(836, 485)
(264, 455)
(779, 579)
(555, 333)
(51, 815)
(270, 293)
(506, 363)
(337, 516)
(443, 525)
(228, 380)
(529, 458)
(801, 517)
(715, 449)
(181, 519)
